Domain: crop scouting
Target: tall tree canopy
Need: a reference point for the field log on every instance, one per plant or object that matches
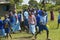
(33, 2)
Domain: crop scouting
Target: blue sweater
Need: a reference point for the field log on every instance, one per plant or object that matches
(1, 24)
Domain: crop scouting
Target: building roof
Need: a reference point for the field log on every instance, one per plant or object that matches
(4, 2)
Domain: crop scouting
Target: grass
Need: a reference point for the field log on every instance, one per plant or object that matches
(54, 33)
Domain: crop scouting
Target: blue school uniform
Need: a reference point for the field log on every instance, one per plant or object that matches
(40, 12)
(17, 26)
(13, 22)
(26, 18)
(19, 17)
(2, 31)
(43, 21)
(38, 20)
(59, 18)
(7, 25)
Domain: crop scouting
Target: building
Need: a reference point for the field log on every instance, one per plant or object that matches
(5, 6)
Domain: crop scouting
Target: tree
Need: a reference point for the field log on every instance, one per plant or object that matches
(33, 3)
(16, 2)
(43, 4)
(58, 2)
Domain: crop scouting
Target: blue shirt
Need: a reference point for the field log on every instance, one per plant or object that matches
(40, 12)
(19, 17)
(43, 19)
(1, 24)
(12, 19)
(59, 16)
(38, 18)
(6, 21)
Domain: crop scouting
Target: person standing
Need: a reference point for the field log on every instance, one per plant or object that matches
(52, 15)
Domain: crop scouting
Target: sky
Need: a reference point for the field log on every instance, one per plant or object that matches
(26, 1)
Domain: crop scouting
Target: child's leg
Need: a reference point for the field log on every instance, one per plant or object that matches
(40, 29)
(10, 35)
(6, 35)
(36, 34)
(47, 32)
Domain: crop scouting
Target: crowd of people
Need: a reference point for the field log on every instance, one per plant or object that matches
(27, 20)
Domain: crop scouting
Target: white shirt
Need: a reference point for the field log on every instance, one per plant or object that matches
(43, 19)
(26, 14)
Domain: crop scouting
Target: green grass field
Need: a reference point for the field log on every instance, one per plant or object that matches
(54, 34)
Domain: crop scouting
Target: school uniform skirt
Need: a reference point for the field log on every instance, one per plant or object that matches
(32, 28)
(43, 27)
(15, 27)
(2, 32)
(18, 27)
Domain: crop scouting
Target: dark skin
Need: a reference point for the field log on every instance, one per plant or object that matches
(47, 32)
(8, 34)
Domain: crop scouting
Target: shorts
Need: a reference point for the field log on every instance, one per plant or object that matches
(38, 24)
(26, 22)
(7, 30)
(43, 27)
(58, 20)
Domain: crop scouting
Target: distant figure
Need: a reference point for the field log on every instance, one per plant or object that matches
(52, 15)
(58, 20)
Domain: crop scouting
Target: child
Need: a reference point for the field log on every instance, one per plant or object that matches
(52, 15)
(26, 19)
(32, 23)
(17, 23)
(37, 20)
(2, 31)
(7, 27)
(58, 19)
(43, 23)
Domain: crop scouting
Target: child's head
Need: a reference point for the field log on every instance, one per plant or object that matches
(30, 13)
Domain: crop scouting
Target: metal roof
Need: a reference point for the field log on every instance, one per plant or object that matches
(4, 2)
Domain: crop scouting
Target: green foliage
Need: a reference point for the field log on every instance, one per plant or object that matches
(16, 1)
(33, 3)
(11, 1)
(49, 6)
(24, 6)
(57, 7)
(58, 2)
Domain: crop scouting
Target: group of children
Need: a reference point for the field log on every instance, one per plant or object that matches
(30, 19)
